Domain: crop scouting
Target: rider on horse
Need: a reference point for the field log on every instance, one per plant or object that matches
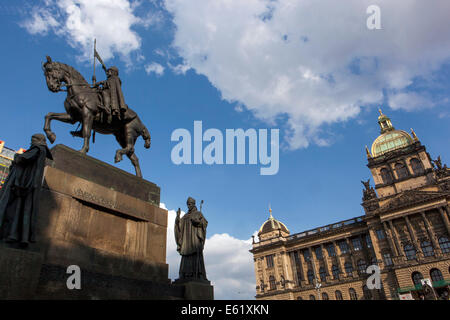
(113, 100)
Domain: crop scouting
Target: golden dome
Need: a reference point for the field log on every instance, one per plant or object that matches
(272, 224)
(390, 141)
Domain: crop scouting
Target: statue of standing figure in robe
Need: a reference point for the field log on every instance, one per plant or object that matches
(19, 197)
(190, 236)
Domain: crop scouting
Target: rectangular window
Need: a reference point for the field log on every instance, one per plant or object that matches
(368, 241)
(331, 251)
(269, 261)
(343, 246)
(298, 267)
(387, 259)
(306, 255)
(318, 251)
(380, 234)
(356, 243)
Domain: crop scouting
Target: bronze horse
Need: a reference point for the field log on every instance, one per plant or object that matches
(83, 105)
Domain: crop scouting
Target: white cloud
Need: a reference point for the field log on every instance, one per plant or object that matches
(229, 266)
(154, 67)
(315, 62)
(228, 263)
(41, 21)
(409, 101)
(179, 69)
(111, 22)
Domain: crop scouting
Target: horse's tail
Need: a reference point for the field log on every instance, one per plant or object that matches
(146, 136)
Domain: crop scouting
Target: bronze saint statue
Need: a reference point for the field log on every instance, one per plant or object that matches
(84, 105)
(19, 197)
(190, 236)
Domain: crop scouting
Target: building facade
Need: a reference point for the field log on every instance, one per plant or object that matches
(6, 158)
(405, 232)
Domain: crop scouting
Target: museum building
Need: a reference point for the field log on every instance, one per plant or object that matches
(405, 232)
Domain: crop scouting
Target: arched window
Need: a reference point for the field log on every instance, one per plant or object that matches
(312, 297)
(310, 275)
(362, 266)
(325, 296)
(436, 275)
(335, 270)
(416, 166)
(322, 274)
(444, 244)
(386, 176)
(410, 252)
(348, 267)
(299, 298)
(353, 295)
(427, 248)
(367, 293)
(272, 284)
(338, 295)
(262, 285)
(401, 170)
(416, 277)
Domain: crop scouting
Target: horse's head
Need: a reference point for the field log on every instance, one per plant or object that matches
(54, 75)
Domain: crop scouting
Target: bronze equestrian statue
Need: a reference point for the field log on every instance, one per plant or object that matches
(84, 104)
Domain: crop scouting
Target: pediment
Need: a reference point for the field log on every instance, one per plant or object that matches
(411, 198)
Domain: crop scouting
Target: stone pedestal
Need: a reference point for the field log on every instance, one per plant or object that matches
(20, 272)
(196, 290)
(100, 218)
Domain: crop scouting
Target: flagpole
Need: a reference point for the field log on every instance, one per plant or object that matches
(94, 79)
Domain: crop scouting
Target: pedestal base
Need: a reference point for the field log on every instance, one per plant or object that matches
(19, 273)
(101, 219)
(196, 290)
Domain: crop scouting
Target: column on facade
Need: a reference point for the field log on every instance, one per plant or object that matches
(430, 231)
(260, 274)
(352, 258)
(338, 257)
(447, 210)
(294, 267)
(365, 252)
(445, 219)
(315, 263)
(304, 266)
(287, 270)
(376, 247)
(412, 234)
(396, 241)
(326, 262)
(390, 239)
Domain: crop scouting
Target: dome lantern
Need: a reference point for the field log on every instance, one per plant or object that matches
(384, 122)
(272, 227)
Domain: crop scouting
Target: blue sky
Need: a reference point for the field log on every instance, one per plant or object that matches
(323, 94)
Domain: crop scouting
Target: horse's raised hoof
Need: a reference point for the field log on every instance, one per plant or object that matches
(51, 137)
(117, 158)
(147, 144)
